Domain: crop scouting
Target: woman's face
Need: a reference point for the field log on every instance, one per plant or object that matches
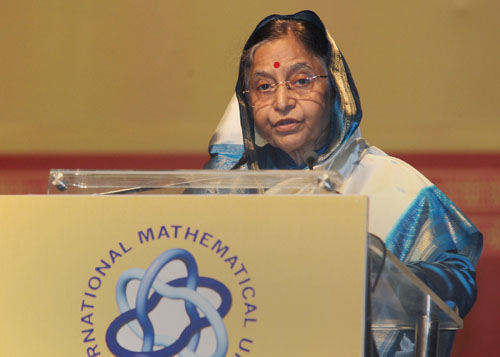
(294, 123)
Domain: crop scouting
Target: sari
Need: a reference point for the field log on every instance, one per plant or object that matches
(416, 221)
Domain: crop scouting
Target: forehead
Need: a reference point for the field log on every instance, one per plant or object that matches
(287, 51)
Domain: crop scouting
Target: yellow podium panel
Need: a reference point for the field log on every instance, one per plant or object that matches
(182, 275)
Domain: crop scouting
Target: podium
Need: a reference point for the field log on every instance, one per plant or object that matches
(203, 263)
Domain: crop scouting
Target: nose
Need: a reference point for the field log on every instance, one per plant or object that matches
(283, 100)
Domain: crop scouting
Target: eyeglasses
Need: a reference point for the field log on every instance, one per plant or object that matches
(299, 87)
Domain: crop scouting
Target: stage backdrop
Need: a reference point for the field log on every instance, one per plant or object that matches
(155, 76)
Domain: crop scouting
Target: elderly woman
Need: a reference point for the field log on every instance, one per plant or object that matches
(297, 103)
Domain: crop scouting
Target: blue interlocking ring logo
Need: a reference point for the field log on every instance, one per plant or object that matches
(183, 288)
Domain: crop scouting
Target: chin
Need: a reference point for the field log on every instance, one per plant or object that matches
(290, 146)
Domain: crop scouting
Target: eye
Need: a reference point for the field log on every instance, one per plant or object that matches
(302, 81)
(264, 87)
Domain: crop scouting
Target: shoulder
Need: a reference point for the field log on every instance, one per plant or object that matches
(376, 165)
(391, 185)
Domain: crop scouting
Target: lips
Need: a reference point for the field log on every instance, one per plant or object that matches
(286, 125)
(286, 121)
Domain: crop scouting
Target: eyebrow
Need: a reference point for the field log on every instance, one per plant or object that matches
(300, 65)
(262, 74)
(294, 68)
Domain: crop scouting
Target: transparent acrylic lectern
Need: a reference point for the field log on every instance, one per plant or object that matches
(399, 300)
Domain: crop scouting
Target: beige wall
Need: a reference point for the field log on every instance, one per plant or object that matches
(155, 76)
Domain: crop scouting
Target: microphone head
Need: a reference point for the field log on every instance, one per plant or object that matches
(310, 158)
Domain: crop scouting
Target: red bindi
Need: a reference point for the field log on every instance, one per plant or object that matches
(276, 65)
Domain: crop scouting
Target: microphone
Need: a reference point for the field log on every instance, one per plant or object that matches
(310, 158)
(248, 156)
